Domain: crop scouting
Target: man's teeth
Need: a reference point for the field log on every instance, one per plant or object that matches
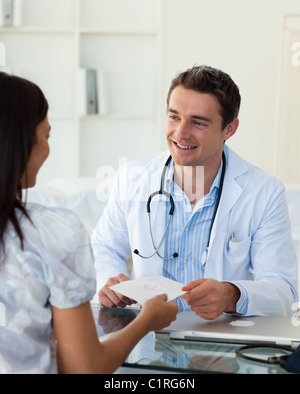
(185, 147)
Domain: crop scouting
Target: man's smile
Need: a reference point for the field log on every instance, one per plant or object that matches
(185, 147)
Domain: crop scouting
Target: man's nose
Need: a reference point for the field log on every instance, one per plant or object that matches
(183, 131)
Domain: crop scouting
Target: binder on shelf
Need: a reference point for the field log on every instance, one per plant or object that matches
(91, 97)
(7, 13)
(102, 93)
(81, 92)
(11, 13)
(87, 92)
(91, 92)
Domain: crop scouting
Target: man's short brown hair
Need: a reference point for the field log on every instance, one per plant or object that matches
(209, 80)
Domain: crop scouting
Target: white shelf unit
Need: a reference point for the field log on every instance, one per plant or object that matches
(122, 38)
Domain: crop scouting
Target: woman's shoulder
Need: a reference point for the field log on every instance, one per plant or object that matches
(57, 215)
(55, 227)
(61, 243)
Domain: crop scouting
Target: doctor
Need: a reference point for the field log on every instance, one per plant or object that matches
(213, 221)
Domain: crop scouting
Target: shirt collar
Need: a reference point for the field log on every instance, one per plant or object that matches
(170, 177)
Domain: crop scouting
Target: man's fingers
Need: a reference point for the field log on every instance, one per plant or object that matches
(111, 299)
(194, 289)
(105, 301)
(190, 286)
(164, 297)
(121, 278)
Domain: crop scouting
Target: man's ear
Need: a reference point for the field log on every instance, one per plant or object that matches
(231, 128)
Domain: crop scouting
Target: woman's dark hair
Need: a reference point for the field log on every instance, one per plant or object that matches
(22, 107)
(205, 79)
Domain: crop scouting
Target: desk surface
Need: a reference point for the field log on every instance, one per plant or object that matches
(165, 356)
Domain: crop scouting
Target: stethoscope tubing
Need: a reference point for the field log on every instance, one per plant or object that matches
(161, 191)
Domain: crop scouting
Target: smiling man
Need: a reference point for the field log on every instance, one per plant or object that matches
(213, 221)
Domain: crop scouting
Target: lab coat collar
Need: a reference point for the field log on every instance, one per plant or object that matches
(235, 167)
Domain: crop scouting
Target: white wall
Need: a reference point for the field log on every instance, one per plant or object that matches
(241, 37)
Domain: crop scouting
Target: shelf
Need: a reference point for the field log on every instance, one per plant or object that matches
(92, 31)
(84, 31)
(63, 118)
(55, 41)
(100, 118)
(35, 30)
(116, 118)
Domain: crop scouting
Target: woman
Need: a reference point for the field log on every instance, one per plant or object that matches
(46, 267)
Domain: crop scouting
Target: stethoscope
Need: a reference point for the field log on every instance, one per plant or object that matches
(161, 191)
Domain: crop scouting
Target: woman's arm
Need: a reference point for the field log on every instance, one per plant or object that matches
(79, 350)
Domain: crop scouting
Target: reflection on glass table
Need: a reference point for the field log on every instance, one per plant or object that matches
(179, 356)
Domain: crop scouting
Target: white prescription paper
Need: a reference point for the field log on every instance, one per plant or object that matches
(142, 289)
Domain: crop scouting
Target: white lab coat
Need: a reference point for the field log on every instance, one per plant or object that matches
(252, 207)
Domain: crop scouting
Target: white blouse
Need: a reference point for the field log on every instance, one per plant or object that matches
(55, 268)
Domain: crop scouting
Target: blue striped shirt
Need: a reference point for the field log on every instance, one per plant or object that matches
(188, 236)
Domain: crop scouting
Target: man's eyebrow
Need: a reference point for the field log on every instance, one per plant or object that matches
(173, 111)
(202, 118)
(198, 117)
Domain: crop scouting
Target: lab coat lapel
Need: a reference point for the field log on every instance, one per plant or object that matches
(231, 189)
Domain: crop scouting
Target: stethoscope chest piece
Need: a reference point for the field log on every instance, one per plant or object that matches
(204, 257)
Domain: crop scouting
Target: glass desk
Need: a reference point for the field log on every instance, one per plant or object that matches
(165, 356)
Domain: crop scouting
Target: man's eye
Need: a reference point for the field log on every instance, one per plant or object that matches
(199, 124)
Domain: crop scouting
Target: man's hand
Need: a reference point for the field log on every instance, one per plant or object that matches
(109, 298)
(209, 298)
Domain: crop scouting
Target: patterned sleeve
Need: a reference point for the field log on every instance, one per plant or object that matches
(68, 264)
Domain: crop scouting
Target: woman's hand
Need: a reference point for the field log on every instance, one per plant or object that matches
(158, 312)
